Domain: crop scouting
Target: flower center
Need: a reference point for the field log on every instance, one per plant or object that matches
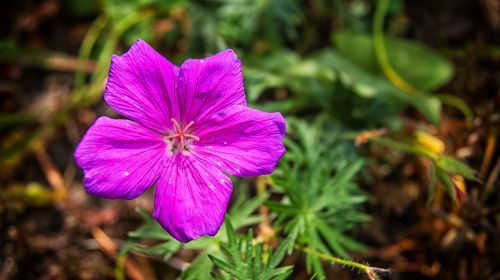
(178, 139)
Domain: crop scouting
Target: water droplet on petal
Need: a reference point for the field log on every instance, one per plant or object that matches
(219, 164)
(222, 180)
(225, 143)
(211, 187)
(126, 173)
(202, 61)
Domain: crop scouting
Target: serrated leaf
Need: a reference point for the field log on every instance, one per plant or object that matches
(245, 260)
(321, 196)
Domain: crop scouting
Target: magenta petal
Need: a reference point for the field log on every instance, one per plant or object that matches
(191, 198)
(141, 86)
(120, 158)
(209, 85)
(242, 141)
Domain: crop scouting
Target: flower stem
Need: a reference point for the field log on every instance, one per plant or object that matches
(88, 44)
(370, 271)
(428, 105)
(380, 49)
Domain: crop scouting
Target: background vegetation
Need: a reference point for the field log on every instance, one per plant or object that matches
(392, 163)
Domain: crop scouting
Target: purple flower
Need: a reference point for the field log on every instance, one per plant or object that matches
(189, 127)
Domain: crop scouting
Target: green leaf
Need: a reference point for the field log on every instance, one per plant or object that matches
(280, 207)
(331, 236)
(151, 230)
(313, 263)
(352, 244)
(347, 174)
(454, 166)
(231, 234)
(199, 269)
(322, 201)
(432, 184)
(129, 245)
(241, 213)
(165, 249)
(372, 85)
(417, 64)
(244, 260)
(280, 252)
(445, 180)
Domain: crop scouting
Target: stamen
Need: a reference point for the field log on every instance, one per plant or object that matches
(188, 126)
(192, 136)
(177, 126)
(180, 134)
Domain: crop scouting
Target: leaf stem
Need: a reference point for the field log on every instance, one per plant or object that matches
(380, 49)
(405, 147)
(369, 270)
(430, 109)
(86, 48)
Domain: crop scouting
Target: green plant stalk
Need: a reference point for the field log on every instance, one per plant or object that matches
(120, 268)
(380, 49)
(370, 271)
(384, 141)
(405, 147)
(87, 46)
(391, 74)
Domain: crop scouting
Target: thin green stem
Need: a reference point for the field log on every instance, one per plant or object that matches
(96, 86)
(380, 49)
(404, 147)
(384, 141)
(426, 104)
(87, 46)
(370, 271)
(120, 268)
